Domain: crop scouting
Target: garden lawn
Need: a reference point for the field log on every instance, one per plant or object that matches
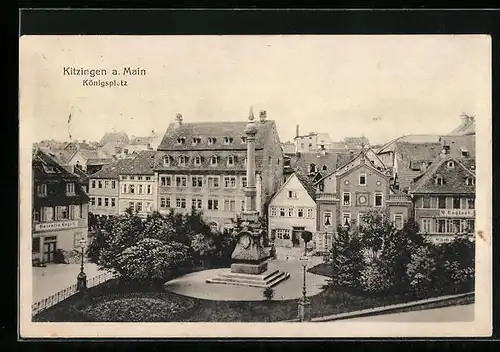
(115, 302)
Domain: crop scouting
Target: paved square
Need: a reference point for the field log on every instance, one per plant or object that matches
(56, 277)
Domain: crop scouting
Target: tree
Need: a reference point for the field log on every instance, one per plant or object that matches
(374, 228)
(307, 237)
(158, 227)
(346, 259)
(421, 270)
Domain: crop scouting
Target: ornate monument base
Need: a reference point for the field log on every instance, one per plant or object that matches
(269, 278)
(249, 266)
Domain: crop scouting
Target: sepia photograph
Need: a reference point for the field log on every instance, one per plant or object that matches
(181, 184)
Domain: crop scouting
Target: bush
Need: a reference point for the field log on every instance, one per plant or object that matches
(268, 293)
(421, 271)
(375, 277)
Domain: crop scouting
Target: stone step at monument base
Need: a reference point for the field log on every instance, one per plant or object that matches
(268, 278)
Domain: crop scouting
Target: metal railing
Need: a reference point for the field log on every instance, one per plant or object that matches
(326, 196)
(399, 198)
(50, 301)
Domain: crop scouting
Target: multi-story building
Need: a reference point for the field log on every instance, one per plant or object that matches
(204, 166)
(292, 210)
(361, 185)
(60, 209)
(444, 198)
(104, 189)
(138, 184)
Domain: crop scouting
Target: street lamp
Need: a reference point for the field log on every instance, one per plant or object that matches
(304, 303)
(81, 279)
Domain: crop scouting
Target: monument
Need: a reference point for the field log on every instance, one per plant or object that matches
(249, 267)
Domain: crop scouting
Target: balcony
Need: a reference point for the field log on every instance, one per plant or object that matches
(399, 198)
(322, 196)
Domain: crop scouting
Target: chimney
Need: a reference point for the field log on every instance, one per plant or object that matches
(445, 150)
(263, 115)
(178, 119)
(297, 131)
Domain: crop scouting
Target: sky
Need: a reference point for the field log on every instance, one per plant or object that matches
(381, 87)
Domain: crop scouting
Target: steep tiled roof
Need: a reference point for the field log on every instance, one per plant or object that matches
(114, 137)
(301, 162)
(143, 164)
(308, 186)
(454, 178)
(288, 148)
(217, 130)
(46, 170)
(99, 161)
(412, 139)
(140, 140)
(458, 144)
(112, 170)
(61, 156)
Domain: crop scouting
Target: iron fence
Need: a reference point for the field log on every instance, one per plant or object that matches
(50, 301)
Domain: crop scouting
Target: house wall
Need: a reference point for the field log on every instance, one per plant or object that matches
(278, 223)
(65, 233)
(464, 217)
(325, 231)
(78, 158)
(235, 197)
(272, 168)
(143, 202)
(105, 191)
(349, 182)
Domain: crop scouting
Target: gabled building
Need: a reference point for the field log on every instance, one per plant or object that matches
(360, 185)
(444, 198)
(292, 210)
(60, 209)
(138, 184)
(204, 166)
(104, 188)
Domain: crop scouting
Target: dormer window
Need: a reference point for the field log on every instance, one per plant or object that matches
(470, 181)
(196, 140)
(228, 140)
(197, 160)
(439, 180)
(312, 168)
(212, 140)
(243, 139)
(166, 161)
(182, 160)
(181, 140)
(450, 164)
(325, 167)
(213, 160)
(230, 160)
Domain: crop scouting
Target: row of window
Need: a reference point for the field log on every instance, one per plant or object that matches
(198, 160)
(307, 213)
(469, 181)
(210, 140)
(138, 178)
(447, 226)
(200, 203)
(229, 182)
(57, 213)
(103, 201)
(137, 189)
(443, 202)
(41, 189)
(107, 184)
(141, 206)
(346, 219)
(377, 199)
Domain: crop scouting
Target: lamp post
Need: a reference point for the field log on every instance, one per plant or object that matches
(304, 303)
(81, 279)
